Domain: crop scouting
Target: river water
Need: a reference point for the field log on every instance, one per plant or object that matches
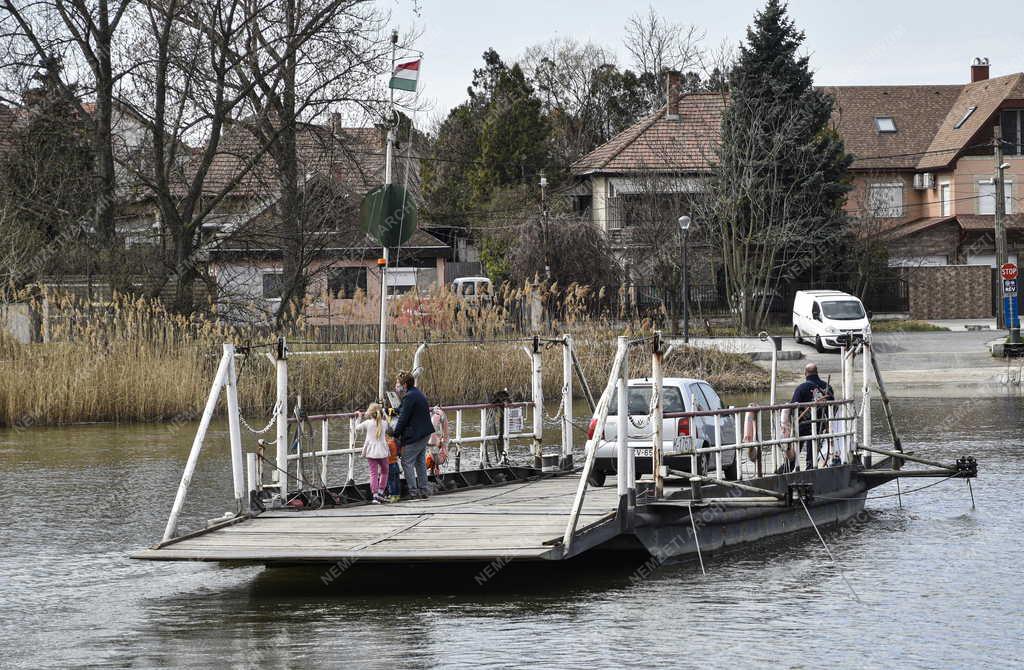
(934, 584)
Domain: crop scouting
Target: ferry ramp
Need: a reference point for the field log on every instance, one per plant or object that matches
(521, 521)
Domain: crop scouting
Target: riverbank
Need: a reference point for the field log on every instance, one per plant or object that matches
(140, 364)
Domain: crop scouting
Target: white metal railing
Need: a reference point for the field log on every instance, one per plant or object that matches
(830, 432)
(458, 439)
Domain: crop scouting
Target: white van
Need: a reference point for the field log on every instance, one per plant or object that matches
(472, 289)
(821, 316)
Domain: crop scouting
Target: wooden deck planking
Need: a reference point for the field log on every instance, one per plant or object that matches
(515, 521)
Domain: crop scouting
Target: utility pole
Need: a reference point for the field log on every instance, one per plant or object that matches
(544, 224)
(1000, 214)
(1008, 313)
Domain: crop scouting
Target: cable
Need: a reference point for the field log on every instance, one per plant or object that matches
(891, 495)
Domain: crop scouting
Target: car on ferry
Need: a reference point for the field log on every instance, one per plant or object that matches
(822, 318)
(678, 434)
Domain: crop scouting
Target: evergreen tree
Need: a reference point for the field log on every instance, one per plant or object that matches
(777, 192)
(47, 179)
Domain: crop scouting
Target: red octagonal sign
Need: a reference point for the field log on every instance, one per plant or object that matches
(1008, 270)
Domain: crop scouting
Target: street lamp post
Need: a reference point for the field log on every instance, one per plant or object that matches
(684, 228)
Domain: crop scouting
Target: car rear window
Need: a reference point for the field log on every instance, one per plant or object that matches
(639, 401)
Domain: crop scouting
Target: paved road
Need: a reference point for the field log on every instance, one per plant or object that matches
(951, 364)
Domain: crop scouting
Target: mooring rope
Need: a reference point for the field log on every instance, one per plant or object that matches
(831, 557)
(696, 540)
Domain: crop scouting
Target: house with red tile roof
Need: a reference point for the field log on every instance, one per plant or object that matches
(340, 165)
(922, 174)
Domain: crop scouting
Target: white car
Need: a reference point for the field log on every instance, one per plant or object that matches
(821, 317)
(677, 433)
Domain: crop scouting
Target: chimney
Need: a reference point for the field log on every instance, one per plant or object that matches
(979, 70)
(672, 82)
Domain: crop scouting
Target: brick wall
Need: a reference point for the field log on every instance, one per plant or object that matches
(950, 292)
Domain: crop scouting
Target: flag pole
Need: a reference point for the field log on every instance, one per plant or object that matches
(382, 354)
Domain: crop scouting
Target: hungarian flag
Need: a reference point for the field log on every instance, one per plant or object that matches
(405, 76)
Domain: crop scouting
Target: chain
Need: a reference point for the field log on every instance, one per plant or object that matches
(273, 420)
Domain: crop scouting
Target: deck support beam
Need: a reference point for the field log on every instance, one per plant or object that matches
(235, 433)
(197, 445)
(281, 369)
(566, 460)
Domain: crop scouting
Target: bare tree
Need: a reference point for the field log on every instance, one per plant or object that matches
(301, 60)
(657, 44)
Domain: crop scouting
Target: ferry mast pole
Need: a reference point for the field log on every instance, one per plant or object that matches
(382, 354)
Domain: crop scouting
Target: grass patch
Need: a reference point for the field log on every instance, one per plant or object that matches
(905, 326)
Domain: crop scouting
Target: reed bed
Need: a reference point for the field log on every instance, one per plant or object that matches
(132, 361)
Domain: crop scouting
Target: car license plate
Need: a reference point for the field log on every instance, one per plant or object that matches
(646, 451)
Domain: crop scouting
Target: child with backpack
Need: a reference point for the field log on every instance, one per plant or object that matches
(375, 449)
(394, 479)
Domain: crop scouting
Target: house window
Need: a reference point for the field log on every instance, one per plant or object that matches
(1011, 120)
(885, 124)
(963, 119)
(885, 201)
(344, 282)
(945, 200)
(987, 197)
(273, 283)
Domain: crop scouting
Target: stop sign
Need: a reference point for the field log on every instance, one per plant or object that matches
(1008, 270)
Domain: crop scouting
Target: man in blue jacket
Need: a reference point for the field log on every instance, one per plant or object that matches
(413, 430)
(814, 389)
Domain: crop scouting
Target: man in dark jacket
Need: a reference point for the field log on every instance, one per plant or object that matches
(814, 389)
(413, 430)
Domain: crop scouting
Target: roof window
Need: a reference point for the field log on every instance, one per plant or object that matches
(963, 119)
(885, 124)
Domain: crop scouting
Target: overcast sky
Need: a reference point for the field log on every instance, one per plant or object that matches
(850, 42)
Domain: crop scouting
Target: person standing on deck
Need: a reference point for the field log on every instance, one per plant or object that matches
(814, 389)
(413, 430)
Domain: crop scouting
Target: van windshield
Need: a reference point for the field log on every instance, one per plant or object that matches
(639, 401)
(842, 310)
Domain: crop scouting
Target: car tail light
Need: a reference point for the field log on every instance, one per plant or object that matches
(590, 430)
(683, 427)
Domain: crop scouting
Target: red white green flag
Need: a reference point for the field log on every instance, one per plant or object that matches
(405, 76)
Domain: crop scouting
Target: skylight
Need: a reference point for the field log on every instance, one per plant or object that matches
(963, 120)
(885, 124)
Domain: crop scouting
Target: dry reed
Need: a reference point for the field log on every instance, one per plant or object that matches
(131, 360)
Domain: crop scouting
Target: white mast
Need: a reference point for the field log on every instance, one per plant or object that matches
(382, 357)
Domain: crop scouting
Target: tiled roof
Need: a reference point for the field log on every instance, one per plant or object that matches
(916, 226)
(986, 95)
(660, 143)
(924, 116)
(917, 112)
(986, 222)
(353, 156)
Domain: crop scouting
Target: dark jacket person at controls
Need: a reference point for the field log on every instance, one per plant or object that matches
(814, 389)
(413, 430)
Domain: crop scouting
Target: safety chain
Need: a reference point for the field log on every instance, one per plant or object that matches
(273, 420)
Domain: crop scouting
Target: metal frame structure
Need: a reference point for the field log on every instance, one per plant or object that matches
(247, 469)
(783, 431)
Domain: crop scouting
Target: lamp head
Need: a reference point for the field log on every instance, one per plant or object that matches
(684, 223)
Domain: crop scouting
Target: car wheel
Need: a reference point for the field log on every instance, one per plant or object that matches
(596, 478)
(818, 346)
(796, 335)
(730, 471)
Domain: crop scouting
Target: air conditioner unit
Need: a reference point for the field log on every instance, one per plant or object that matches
(924, 180)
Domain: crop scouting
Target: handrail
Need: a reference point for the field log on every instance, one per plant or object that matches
(447, 408)
(757, 408)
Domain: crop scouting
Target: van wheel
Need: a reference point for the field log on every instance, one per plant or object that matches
(796, 335)
(596, 478)
(730, 471)
(818, 345)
